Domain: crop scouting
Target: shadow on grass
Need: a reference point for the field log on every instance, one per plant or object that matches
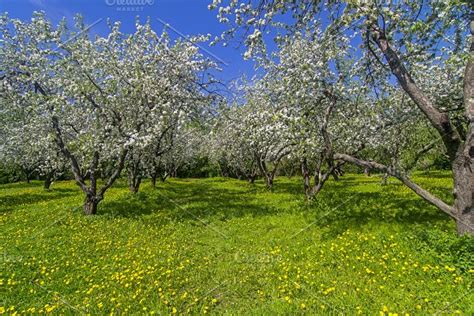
(183, 201)
(21, 185)
(343, 204)
(11, 202)
(435, 174)
(133, 205)
(364, 207)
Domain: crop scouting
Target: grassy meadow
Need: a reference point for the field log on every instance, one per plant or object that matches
(223, 246)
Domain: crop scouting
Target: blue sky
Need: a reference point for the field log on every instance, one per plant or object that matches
(187, 16)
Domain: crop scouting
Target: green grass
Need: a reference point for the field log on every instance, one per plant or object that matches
(224, 246)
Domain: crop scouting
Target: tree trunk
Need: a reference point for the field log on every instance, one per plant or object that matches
(316, 189)
(27, 176)
(48, 181)
(438, 120)
(135, 185)
(90, 205)
(338, 172)
(464, 191)
(87, 175)
(306, 178)
(251, 178)
(322, 178)
(153, 180)
(134, 178)
(384, 179)
(269, 180)
(317, 176)
(367, 172)
(463, 165)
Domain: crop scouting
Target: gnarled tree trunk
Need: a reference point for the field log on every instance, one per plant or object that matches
(134, 185)
(134, 176)
(269, 174)
(305, 175)
(463, 165)
(269, 180)
(464, 186)
(48, 180)
(90, 204)
(465, 220)
(134, 180)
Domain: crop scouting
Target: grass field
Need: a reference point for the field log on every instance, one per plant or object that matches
(223, 246)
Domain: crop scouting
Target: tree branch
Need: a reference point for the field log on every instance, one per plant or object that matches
(427, 196)
(114, 175)
(438, 119)
(76, 170)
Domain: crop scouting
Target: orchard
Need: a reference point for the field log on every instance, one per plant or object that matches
(126, 151)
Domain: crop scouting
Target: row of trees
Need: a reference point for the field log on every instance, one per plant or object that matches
(98, 105)
(372, 83)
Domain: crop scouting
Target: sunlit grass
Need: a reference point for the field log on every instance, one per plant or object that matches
(225, 246)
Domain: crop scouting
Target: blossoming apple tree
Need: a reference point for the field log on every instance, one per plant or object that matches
(253, 137)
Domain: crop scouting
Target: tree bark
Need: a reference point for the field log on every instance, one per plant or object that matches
(134, 179)
(270, 174)
(173, 173)
(90, 204)
(463, 165)
(135, 185)
(306, 177)
(269, 180)
(47, 181)
(322, 178)
(153, 180)
(463, 193)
